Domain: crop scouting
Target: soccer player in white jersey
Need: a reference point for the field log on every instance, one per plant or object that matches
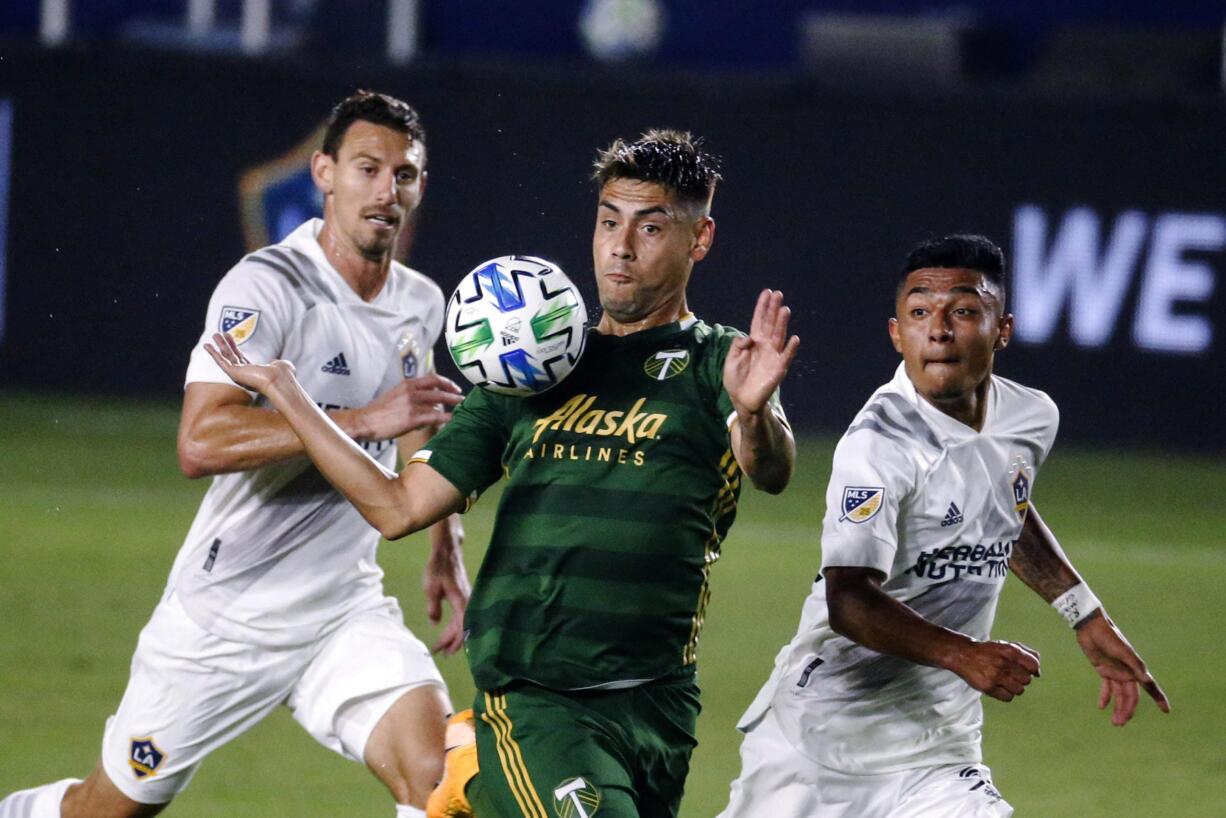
(873, 710)
(275, 597)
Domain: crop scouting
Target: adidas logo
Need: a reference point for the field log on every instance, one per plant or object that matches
(953, 516)
(336, 366)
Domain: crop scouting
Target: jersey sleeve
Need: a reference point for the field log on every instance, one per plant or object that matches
(1049, 425)
(870, 480)
(253, 304)
(468, 451)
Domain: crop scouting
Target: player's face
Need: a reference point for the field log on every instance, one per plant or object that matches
(373, 185)
(948, 324)
(643, 249)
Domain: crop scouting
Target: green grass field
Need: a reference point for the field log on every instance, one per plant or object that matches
(93, 509)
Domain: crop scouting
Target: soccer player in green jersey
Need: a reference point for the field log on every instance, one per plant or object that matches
(622, 482)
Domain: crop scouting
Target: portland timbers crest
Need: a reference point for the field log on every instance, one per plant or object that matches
(668, 363)
(576, 798)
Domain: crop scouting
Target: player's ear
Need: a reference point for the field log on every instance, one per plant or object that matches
(704, 236)
(895, 339)
(1006, 331)
(323, 171)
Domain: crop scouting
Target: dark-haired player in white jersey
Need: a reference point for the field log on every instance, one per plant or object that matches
(275, 597)
(873, 709)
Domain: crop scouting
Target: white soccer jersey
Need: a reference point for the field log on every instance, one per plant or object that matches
(936, 507)
(276, 556)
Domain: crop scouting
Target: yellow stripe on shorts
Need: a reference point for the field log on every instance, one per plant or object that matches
(511, 758)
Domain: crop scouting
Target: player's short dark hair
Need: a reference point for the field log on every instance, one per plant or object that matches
(969, 251)
(371, 106)
(674, 160)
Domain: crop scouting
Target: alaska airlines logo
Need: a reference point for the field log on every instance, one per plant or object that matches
(580, 415)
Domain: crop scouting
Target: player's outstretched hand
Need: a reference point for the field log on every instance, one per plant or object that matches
(1000, 669)
(446, 579)
(756, 364)
(256, 377)
(1121, 668)
(410, 405)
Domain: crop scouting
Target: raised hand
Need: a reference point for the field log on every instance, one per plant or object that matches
(1121, 668)
(1000, 669)
(256, 377)
(756, 364)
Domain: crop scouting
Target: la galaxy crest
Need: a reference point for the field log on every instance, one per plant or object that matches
(239, 322)
(861, 503)
(1019, 479)
(144, 757)
(411, 362)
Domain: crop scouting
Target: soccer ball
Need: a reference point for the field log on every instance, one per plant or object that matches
(516, 325)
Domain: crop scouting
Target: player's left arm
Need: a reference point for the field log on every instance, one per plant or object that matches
(1040, 562)
(444, 577)
(753, 370)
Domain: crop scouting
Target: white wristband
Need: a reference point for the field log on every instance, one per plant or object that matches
(1076, 604)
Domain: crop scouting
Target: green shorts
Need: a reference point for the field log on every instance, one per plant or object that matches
(616, 754)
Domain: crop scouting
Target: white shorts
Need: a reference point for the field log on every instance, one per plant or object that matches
(777, 780)
(191, 692)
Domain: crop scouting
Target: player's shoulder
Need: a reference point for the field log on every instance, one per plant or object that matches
(711, 339)
(278, 266)
(1024, 403)
(890, 428)
(713, 333)
(417, 285)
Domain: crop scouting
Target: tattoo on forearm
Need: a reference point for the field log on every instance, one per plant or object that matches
(1041, 567)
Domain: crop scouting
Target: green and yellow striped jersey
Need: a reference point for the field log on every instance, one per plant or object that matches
(620, 488)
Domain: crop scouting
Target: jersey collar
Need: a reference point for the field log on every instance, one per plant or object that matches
(946, 427)
(649, 335)
(305, 239)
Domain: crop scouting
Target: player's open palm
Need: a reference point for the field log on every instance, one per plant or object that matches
(756, 364)
(1121, 668)
(257, 377)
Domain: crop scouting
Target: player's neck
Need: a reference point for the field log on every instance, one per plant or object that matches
(364, 276)
(668, 313)
(969, 409)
